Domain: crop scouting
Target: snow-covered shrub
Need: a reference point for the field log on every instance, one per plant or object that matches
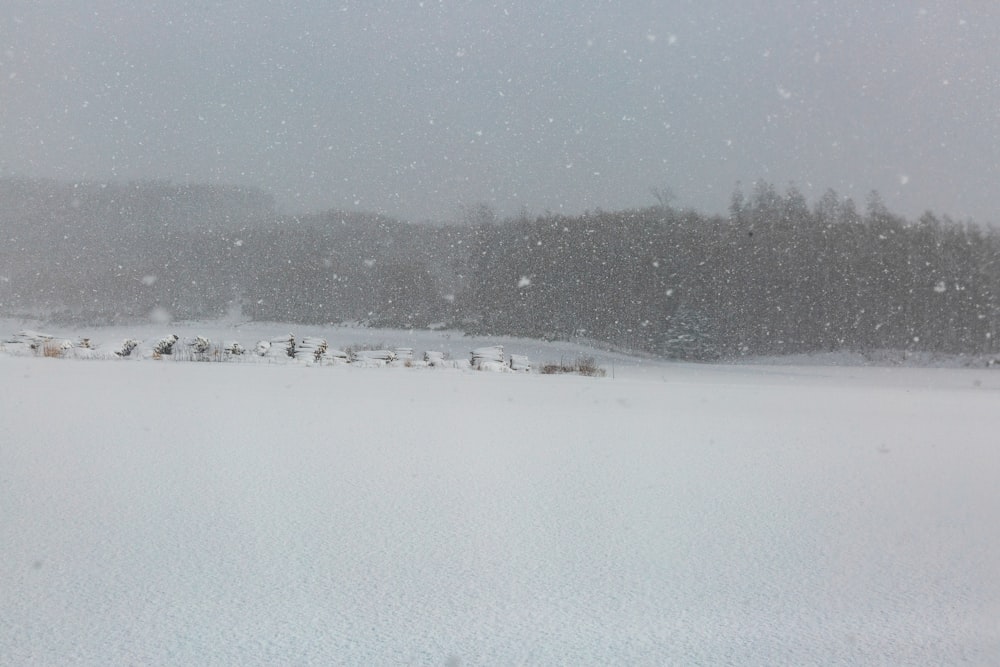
(127, 347)
(582, 366)
(200, 349)
(588, 366)
(434, 358)
(165, 345)
(233, 348)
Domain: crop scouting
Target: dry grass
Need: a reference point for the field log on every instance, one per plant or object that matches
(52, 349)
(581, 366)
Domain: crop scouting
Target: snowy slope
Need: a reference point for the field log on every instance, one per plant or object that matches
(183, 513)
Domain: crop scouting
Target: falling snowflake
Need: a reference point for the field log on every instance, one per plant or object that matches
(160, 315)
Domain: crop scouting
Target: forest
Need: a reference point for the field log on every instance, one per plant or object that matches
(776, 275)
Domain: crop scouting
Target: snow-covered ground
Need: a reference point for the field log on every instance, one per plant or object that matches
(200, 513)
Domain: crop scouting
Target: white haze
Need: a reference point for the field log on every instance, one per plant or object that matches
(418, 108)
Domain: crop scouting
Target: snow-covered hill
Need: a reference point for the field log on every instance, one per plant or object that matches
(167, 513)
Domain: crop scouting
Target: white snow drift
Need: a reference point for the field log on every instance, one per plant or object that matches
(166, 513)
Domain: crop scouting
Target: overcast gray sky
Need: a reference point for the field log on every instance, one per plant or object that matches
(416, 108)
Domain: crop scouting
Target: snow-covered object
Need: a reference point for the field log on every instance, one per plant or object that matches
(310, 349)
(165, 345)
(373, 357)
(519, 362)
(437, 359)
(378, 355)
(200, 345)
(15, 347)
(27, 341)
(73, 350)
(493, 367)
(263, 347)
(233, 347)
(334, 356)
(282, 347)
(489, 354)
(404, 353)
(126, 348)
(49, 346)
(33, 336)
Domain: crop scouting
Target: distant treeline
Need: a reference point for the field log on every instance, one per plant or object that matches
(776, 275)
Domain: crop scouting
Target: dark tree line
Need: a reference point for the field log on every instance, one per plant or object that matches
(776, 275)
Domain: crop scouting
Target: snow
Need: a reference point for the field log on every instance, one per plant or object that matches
(158, 512)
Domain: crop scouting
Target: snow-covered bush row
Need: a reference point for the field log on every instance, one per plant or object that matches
(280, 349)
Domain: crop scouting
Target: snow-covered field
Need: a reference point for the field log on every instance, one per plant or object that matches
(219, 514)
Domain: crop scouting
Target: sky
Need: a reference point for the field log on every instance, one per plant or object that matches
(423, 109)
